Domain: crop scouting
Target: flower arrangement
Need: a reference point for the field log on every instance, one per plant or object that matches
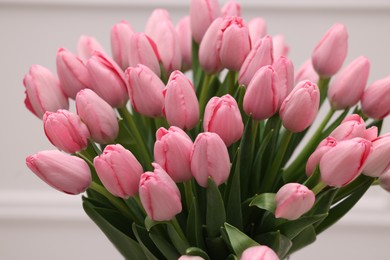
(208, 168)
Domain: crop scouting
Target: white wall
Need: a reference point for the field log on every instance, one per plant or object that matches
(39, 223)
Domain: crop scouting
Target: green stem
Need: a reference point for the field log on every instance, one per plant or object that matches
(188, 193)
(203, 93)
(318, 188)
(323, 84)
(178, 229)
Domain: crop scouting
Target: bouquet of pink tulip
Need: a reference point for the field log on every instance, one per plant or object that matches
(203, 169)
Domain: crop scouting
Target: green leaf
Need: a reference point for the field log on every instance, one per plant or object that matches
(194, 226)
(278, 242)
(161, 242)
(179, 242)
(265, 201)
(292, 228)
(195, 251)
(306, 237)
(146, 243)
(217, 248)
(238, 240)
(323, 203)
(215, 211)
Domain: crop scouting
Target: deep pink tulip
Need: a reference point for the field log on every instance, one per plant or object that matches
(384, 181)
(72, 73)
(145, 90)
(257, 29)
(43, 91)
(352, 126)
(306, 72)
(231, 8)
(222, 116)
(118, 170)
(314, 159)
(376, 99)
(86, 47)
(159, 195)
(61, 171)
(262, 95)
(202, 14)
(259, 253)
(284, 68)
(300, 107)
(210, 158)
(260, 55)
(172, 151)
(66, 131)
(279, 46)
(379, 160)
(98, 115)
(183, 29)
(181, 106)
(293, 200)
(120, 43)
(344, 162)
(348, 87)
(329, 54)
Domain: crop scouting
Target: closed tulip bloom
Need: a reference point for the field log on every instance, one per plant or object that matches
(98, 115)
(181, 106)
(300, 107)
(344, 162)
(261, 55)
(231, 8)
(172, 151)
(202, 14)
(145, 90)
(210, 158)
(348, 87)
(257, 29)
(87, 46)
(379, 161)
(120, 43)
(222, 116)
(66, 131)
(279, 46)
(352, 126)
(183, 29)
(43, 91)
(284, 68)
(118, 170)
(376, 99)
(107, 80)
(371, 133)
(306, 72)
(259, 253)
(159, 195)
(72, 73)
(314, 159)
(293, 200)
(61, 171)
(384, 181)
(329, 54)
(262, 95)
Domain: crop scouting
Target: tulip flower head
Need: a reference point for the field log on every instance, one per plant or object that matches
(314, 159)
(379, 160)
(376, 99)
(352, 126)
(87, 46)
(183, 29)
(231, 8)
(284, 68)
(120, 43)
(257, 29)
(306, 72)
(202, 14)
(259, 253)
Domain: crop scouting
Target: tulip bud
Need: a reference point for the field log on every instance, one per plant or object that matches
(159, 195)
(279, 46)
(314, 159)
(66, 131)
(306, 72)
(183, 29)
(202, 14)
(181, 106)
(375, 100)
(344, 162)
(293, 200)
(107, 80)
(329, 54)
(348, 87)
(231, 8)
(172, 151)
(118, 170)
(145, 90)
(379, 161)
(371, 133)
(384, 181)
(190, 257)
(284, 68)
(222, 116)
(260, 56)
(300, 107)
(72, 73)
(61, 171)
(262, 96)
(120, 43)
(352, 126)
(98, 115)
(259, 253)
(257, 29)
(210, 158)
(43, 91)
(87, 46)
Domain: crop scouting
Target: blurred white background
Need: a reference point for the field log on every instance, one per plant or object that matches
(37, 222)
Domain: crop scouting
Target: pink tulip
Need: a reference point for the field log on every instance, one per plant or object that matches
(300, 107)
(352, 126)
(329, 54)
(293, 200)
(210, 158)
(144, 51)
(72, 73)
(259, 253)
(87, 46)
(145, 90)
(344, 162)
(98, 115)
(279, 45)
(260, 55)
(161, 29)
(172, 151)
(202, 14)
(314, 159)
(257, 29)
(159, 195)
(371, 133)
(348, 87)
(306, 72)
(181, 106)
(284, 68)
(118, 170)
(262, 95)
(384, 181)
(120, 43)
(379, 161)
(183, 29)
(222, 116)
(376, 99)
(66, 131)
(43, 91)
(61, 171)
(190, 257)
(231, 8)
